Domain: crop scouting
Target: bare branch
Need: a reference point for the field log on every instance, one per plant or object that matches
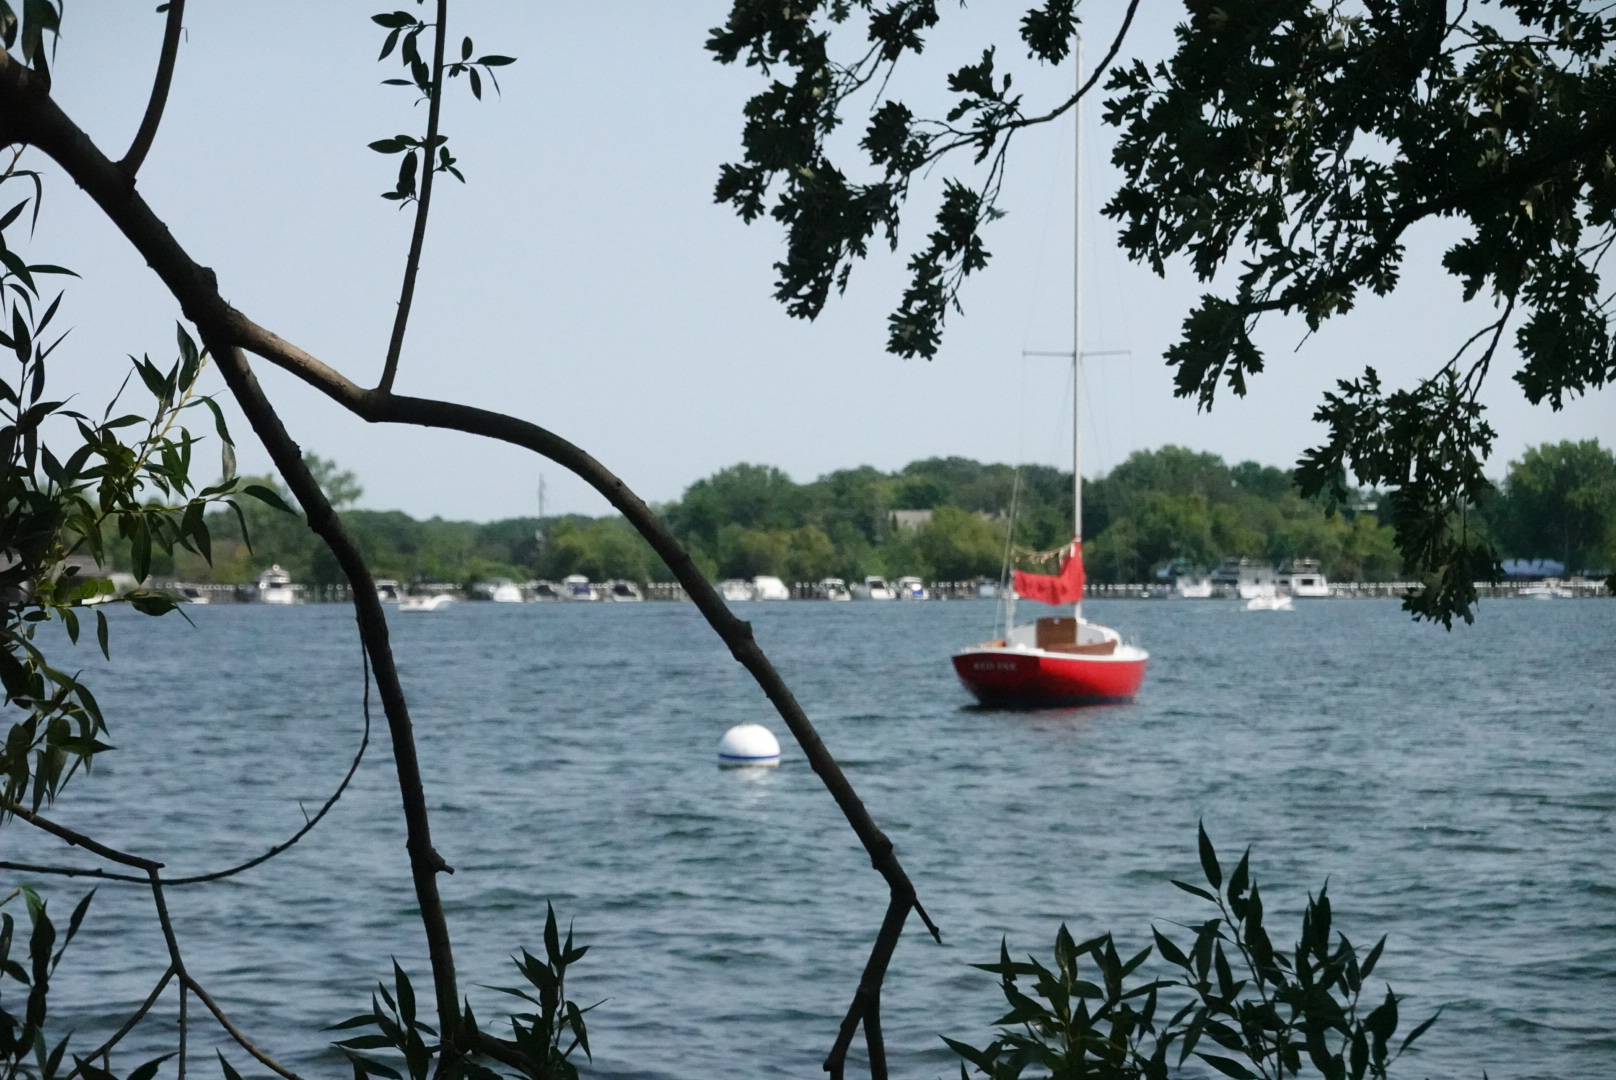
(308, 827)
(70, 871)
(78, 839)
(425, 862)
(866, 1006)
(412, 264)
(159, 95)
(235, 1032)
(128, 1026)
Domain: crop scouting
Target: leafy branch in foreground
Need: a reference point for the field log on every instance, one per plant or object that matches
(1249, 1011)
(55, 507)
(539, 1036)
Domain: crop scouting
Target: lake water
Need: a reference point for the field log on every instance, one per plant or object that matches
(1457, 789)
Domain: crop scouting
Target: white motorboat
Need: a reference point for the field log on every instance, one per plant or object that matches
(911, 588)
(388, 591)
(1547, 589)
(1303, 579)
(735, 590)
(833, 588)
(1271, 600)
(624, 592)
(505, 592)
(577, 587)
(1187, 587)
(426, 602)
(765, 587)
(190, 594)
(874, 588)
(543, 590)
(275, 587)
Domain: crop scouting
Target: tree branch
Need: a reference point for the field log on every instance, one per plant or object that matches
(866, 1004)
(309, 825)
(412, 264)
(425, 862)
(226, 331)
(159, 95)
(128, 1026)
(78, 839)
(197, 879)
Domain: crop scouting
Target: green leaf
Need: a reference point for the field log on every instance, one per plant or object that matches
(1229, 1067)
(1194, 890)
(1170, 952)
(1421, 1030)
(149, 1069)
(230, 1072)
(269, 497)
(1209, 858)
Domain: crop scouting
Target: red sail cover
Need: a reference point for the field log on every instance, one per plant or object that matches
(1064, 588)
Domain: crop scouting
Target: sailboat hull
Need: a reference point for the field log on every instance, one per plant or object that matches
(1036, 678)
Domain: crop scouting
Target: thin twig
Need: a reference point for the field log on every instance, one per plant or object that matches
(177, 964)
(159, 95)
(868, 996)
(425, 862)
(129, 1025)
(412, 264)
(966, 138)
(235, 1032)
(197, 879)
(78, 839)
(71, 871)
(308, 827)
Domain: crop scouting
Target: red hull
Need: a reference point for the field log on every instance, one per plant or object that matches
(1033, 678)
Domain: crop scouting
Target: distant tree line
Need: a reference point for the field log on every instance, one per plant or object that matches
(1158, 509)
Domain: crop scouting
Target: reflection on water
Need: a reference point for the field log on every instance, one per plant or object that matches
(1458, 789)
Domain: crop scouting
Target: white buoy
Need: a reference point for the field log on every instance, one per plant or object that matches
(749, 744)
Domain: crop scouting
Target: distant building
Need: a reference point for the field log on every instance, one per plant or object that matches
(911, 519)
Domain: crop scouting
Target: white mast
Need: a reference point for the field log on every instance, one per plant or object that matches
(1077, 318)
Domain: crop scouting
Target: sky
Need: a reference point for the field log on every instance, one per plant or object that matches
(585, 280)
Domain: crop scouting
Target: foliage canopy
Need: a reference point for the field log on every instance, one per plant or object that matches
(1284, 151)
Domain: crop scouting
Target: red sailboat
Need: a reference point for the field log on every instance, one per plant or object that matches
(1059, 660)
(1062, 660)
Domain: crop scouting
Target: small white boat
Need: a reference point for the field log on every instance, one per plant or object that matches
(505, 592)
(1269, 601)
(911, 588)
(577, 587)
(1186, 587)
(1547, 589)
(833, 588)
(765, 587)
(388, 591)
(275, 587)
(735, 590)
(426, 602)
(191, 594)
(543, 590)
(874, 588)
(624, 592)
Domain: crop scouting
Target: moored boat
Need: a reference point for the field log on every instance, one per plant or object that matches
(767, 587)
(911, 588)
(874, 588)
(1057, 660)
